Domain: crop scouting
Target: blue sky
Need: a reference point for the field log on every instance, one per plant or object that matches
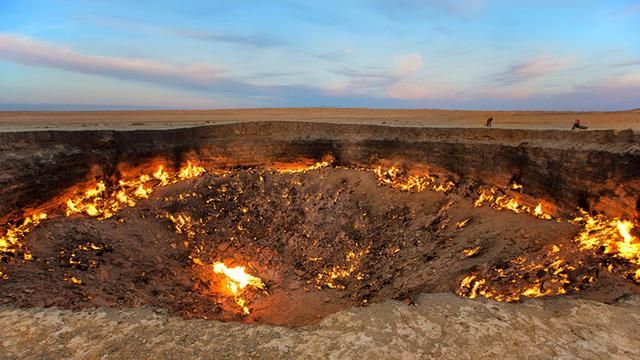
(474, 54)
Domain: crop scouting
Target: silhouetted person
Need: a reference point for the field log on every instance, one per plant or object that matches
(576, 125)
(489, 122)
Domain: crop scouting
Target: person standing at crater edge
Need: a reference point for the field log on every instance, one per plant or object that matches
(489, 121)
(576, 125)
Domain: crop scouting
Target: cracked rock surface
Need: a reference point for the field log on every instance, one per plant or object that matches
(439, 326)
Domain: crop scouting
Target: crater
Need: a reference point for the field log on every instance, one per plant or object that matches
(286, 223)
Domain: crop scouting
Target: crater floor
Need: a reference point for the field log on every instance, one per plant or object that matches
(321, 241)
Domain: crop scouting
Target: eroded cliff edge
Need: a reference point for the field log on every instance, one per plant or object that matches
(595, 170)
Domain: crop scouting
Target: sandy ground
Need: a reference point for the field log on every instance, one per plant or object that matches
(130, 120)
(440, 326)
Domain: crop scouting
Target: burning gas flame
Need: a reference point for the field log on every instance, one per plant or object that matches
(103, 202)
(395, 177)
(236, 281)
(614, 235)
(99, 200)
(551, 275)
(11, 241)
(300, 168)
(505, 202)
(331, 276)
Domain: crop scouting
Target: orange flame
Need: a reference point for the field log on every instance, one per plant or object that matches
(11, 241)
(394, 177)
(505, 202)
(103, 202)
(237, 280)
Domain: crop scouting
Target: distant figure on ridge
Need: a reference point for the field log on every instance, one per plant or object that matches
(576, 125)
(489, 121)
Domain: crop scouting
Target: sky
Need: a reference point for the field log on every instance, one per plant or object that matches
(188, 54)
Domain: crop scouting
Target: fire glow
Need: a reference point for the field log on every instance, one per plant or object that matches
(505, 202)
(553, 274)
(237, 281)
(100, 201)
(103, 202)
(554, 271)
(397, 179)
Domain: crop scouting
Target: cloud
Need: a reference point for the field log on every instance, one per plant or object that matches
(205, 78)
(336, 55)
(416, 91)
(249, 40)
(27, 51)
(377, 79)
(409, 64)
(534, 68)
(259, 41)
(628, 63)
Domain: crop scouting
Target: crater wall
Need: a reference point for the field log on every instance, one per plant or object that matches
(595, 170)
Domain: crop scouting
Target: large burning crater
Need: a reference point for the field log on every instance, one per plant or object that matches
(236, 222)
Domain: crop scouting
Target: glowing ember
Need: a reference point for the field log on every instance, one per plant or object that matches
(330, 277)
(528, 277)
(72, 279)
(462, 223)
(237, 280)
(515, 186)
(470, 252)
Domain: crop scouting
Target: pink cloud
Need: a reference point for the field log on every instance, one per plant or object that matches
(408, 64)
(534, 68)
(27, 51)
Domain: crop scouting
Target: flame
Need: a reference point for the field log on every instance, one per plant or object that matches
(300, 168)
(331, 276)
(462, 223)
(11, 241)
(515, 186)
(549, 276)
(528, 277)
(505, 202)
(614, 235)
(73, 280)
(395, 177)
(237, 280)
(99, 200)
(190, 171)
(104, 202)
(183, 224)
(470, 252)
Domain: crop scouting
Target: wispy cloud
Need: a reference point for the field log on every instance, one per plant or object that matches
(246, 39)
(628, 63)
(377, 79)
(24, 50)
(530, 69)
(207, 78)
(254, 40)
(336, 55)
